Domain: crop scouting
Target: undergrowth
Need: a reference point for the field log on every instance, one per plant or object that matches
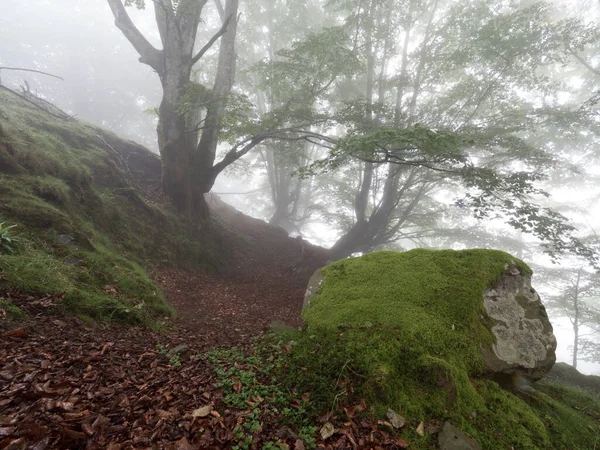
(336, 373)
(249, 379)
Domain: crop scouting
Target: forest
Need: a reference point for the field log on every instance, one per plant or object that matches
(173, 172)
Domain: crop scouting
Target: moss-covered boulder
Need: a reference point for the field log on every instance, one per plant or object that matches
(471, 308)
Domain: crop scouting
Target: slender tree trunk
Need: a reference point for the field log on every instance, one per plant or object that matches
(203, 160)
(576, 320)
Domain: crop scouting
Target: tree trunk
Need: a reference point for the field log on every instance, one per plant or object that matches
(576, 320)
(187, 168)
(203, 161)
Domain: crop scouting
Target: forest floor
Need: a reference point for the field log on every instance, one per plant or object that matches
(65, 383)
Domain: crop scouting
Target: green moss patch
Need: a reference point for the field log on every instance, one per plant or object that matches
(432, 297)
(83, 227)
(404, 331)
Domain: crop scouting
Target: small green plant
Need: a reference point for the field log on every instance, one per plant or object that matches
(249, 379)
(270, 445)
(175, 361)
(7, 238)
(10, 311)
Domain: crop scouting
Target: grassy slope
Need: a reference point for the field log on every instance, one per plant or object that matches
(67, 178)
(417, 351)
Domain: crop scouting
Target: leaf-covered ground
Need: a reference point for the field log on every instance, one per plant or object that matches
(65, 383)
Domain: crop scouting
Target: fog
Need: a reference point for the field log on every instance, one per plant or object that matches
(526, 78)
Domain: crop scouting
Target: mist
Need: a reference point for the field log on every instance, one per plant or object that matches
(320, 82)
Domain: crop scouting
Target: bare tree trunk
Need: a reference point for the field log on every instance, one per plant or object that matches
(203, 161)
(576, 320)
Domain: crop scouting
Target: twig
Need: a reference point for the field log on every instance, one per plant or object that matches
(31, 70)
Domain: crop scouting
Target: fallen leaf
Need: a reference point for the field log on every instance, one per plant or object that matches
(421, 429)
(299, 445)
(183, 444)
(327, 431)
(19, 332)
(203, 411)
(401, 443)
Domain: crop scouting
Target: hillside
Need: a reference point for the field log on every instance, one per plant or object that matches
(122, 326)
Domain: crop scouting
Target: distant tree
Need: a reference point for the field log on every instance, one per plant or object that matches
(448, 112)
(576, 296)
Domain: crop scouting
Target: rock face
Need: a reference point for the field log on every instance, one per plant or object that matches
(313, 287)
(477, 300)
(525, 343)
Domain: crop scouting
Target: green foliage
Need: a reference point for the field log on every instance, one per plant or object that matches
(10, 311)
(239, 119)
(195, 97)
(249, 379)
(7, 238)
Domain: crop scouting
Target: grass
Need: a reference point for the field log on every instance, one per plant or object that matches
(60, 178)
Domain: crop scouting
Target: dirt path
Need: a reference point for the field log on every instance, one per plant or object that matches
(64, 384)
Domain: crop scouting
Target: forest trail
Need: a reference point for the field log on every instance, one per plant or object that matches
(264, 282)
(68, 384)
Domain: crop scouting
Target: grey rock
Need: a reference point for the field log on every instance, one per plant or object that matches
(395, 419)
(73, 261)
(566, 373)
(525, 343)
(451, 438)
(65, 239)
(313, 287)
(180, 349)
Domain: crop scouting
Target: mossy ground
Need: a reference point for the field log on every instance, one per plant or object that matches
(422, 359)
(60, 177)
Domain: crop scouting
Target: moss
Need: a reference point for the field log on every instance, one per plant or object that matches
(62, 178)
(403, 331)
(434, 297)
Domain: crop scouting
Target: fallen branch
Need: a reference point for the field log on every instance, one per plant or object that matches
(63, 116)
(31, 70)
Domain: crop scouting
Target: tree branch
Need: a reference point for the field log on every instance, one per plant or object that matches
(31, 70)
(148, 53)
(162, 9)
(221, 10)
(212, 40)
(586, 64)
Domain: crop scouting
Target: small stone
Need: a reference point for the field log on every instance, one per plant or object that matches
(451, 438)
(65, 239)
(203, 411)
(327, 431)
(178, 350)
(395, 419)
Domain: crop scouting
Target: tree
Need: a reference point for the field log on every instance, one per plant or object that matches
(188, 162)
(576, 295)
(453, 110)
